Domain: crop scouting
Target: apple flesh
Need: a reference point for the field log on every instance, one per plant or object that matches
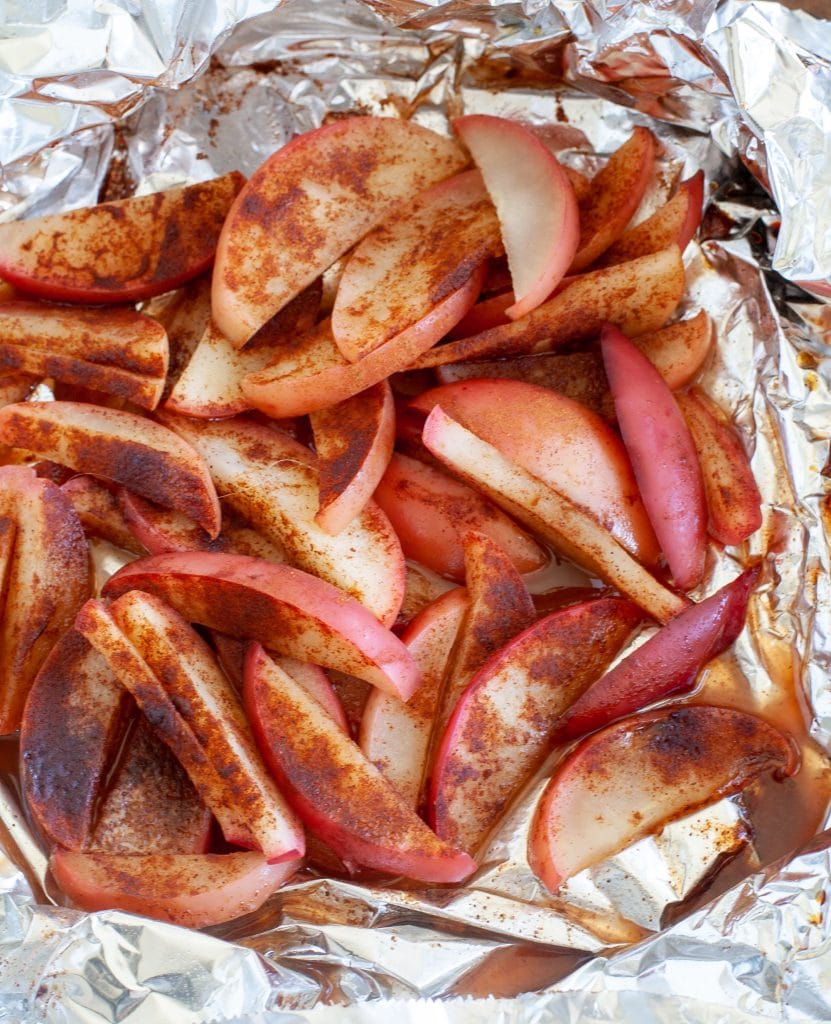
(515, 700)
(122, 251)
(98, 510)
(634, 777)
(535, 202)
(310, 203)
(679, 350)
(339, 794)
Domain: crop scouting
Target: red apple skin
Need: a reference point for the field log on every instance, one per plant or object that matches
(669, 663)
(430, 510)
(122, 251)
(191, 890)
(297, 614)
(505, 722)
(338, 793)
(663, 456)
(630, 779)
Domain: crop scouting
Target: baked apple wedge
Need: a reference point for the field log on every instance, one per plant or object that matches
(98, 510)
(633, 777)
(678, 351)
(121, 251)
(339, 794)
(310, 203)
(296, 614)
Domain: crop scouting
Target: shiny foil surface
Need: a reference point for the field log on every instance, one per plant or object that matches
(121, 96)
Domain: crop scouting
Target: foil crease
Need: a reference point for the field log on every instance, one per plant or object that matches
(591, 69)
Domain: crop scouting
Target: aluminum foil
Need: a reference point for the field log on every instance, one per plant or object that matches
(90, 102)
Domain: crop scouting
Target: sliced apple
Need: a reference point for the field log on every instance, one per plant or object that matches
(733, 499)
(14, 387)
(339, 794)
(678, 351)
(430, 511)
(633, 777)
(97, 508)
(663, 456)
(184, 314)
(291, 611)
(567, 526)
(121, 251)
(616, 194)
(639, 296)
(354, 441)
(400, 271)
(396, 736)
(119, 446)
(515, 701)
(314, 374)
(668, 663)
(311, 202)
(271, 480)
(535, 202)
(488, 312)
(192, 890)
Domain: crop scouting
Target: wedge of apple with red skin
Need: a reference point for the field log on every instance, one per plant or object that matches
(121, 251)
(668, 664)
(535, 202)
(430, 511)
(505, 722)
(663, 456)
(633, 777)
(119, 446)
(339, 794)
(354, 441)
(98, 510)
(311, 202)
(297, 614)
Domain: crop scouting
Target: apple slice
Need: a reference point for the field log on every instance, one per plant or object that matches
(184, 314)
(668, 663)
(430, 511)
(314, 374)
(400, 271)
(271, 479)
(291, 611)
(396, 736)
(733, 499)
(191, 890)
(312, 201)
(354, 441)
(616, 194)
(567, 526)
(121, 251)
(639, 296)
(535, 202)
(339, 794)
(633, 777)
(97, 509)
(516, 700)
(678, 351)
(663, 456)
(120, 446)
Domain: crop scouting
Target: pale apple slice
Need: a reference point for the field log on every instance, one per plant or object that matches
(633, 777)
(568, 527)
(679, 350)
(516, 700)
(430, 511)
(668, 663)
(121, 251)
(616, 194)
(98, 510)
(534, 199)
(293, 612)
(396, 736)
(192, 890)
(314, 374)
(271, 479)
(733, 499)
(639, 296)
(663, 456)
(311, 202)
(354, 441)
(339, 794)
(117, 351)
(119, 446)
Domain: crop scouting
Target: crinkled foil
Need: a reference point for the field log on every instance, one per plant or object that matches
(92, 100)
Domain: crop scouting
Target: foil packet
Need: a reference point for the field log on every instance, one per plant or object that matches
(95, 102)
